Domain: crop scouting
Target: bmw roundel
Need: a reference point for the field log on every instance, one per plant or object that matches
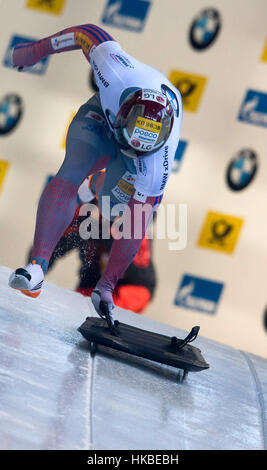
(11, 110)
(242, 169)
(205, 28)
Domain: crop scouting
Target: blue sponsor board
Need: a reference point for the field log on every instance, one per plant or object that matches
(127, 14)
(198, 294)
(39, 68)
(179, 156)
(254, 108)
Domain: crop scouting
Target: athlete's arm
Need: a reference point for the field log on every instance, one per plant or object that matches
(77, 37)
(124, 250)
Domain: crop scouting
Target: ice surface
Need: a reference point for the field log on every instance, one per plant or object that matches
(53, 395)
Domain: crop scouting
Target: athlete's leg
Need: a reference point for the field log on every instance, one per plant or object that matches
(119, 186)
(88, 150)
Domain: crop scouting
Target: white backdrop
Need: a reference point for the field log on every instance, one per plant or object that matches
(232, 65)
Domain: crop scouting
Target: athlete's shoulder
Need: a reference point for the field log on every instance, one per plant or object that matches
(112, 52)
(97, 34)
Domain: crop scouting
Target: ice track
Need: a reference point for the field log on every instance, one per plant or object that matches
(53, 395)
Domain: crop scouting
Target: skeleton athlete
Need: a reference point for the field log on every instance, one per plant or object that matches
(130, 127)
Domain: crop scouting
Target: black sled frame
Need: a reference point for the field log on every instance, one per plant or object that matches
(149, 345)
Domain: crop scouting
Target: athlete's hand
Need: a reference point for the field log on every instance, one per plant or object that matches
(23, 56)
(104, 294)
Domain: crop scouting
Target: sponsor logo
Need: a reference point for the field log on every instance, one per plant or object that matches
(83, 41)
(48, 6)
(4, 165)
(179, 154)
(242, 169)
(153, 95)
(96, 117)
(124, 187)
(127, 14)
(205, 29)
(138, 196)
(160, 99)
(148, 124)
(145, 147)
(127, 188)
(11, 110)
(199, 294)
(39, 68)
(122, 60)
(264, 52)
(135, 143)
(191, 88)
(166, 168)
(145, 136)
(142, 168)
(129, 177)
(120, 195)
(65, 40)
(220, 232)
(99, 76)
(254, 108)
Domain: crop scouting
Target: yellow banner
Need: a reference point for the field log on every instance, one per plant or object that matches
(4, 165)
(264, 53)
(63, 143)
(48, 6)
(220, 232)
(148, 124)
(190, 86)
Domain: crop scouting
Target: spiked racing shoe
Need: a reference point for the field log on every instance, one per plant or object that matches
(28, 280)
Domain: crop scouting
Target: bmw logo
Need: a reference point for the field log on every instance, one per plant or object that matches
(242, 169)
(11, 110)
(205, 28)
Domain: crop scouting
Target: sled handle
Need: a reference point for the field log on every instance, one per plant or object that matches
(178, 344)
(106, 314)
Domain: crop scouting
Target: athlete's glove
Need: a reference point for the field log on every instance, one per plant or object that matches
(103, 292)
(18, 60)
